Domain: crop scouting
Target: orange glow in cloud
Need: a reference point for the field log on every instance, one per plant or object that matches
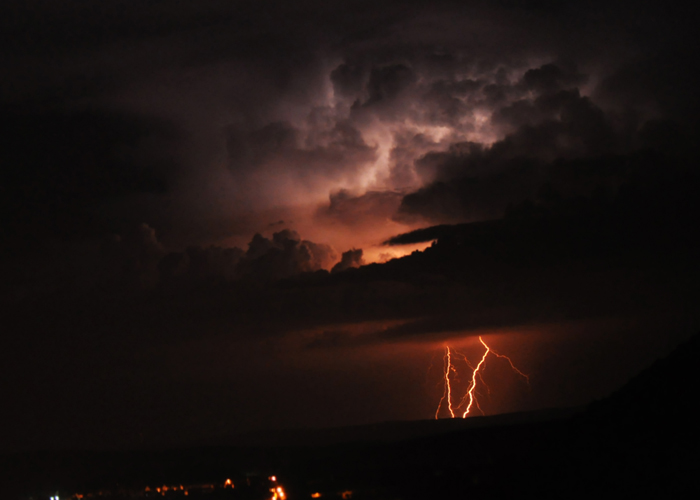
(280, 193)
(470, 397)
(380, 253)
(367, 232)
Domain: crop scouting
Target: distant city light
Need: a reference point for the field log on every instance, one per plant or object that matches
(277, 491)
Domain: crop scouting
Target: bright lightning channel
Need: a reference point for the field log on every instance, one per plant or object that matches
(447, 394)
(470, 397)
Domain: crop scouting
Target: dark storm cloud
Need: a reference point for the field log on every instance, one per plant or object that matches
(200, 265)
(348, 80)
(550, 78)
(258, 75)
(408, 146)
(563, 260)
(388, 82)
(137, 263)
(543, 116)
(267, 259)
(285, 255)
(351, 258)
(132, 260)
(552, 91)
(550, 136)
(125, 69)
(372, 206)
(560, 259)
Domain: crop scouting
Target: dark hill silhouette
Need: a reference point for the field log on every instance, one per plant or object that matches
(668, 389)
(644, 438)
(388, 432)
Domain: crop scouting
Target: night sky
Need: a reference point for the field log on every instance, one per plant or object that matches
(219, 216)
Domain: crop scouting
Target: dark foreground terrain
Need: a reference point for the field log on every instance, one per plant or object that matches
(641, 442)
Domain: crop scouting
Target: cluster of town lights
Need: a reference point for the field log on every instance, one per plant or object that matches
(277, 491)
(345, 495)
(163, 489)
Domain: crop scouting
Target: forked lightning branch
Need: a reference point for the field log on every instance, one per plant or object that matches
(469, 399)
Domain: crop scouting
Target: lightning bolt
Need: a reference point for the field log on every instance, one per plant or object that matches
(447, 394)
(469, 398)
(515, 369)
(471, 367)
(472, 385)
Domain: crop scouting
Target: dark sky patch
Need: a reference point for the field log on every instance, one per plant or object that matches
(61, 166)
